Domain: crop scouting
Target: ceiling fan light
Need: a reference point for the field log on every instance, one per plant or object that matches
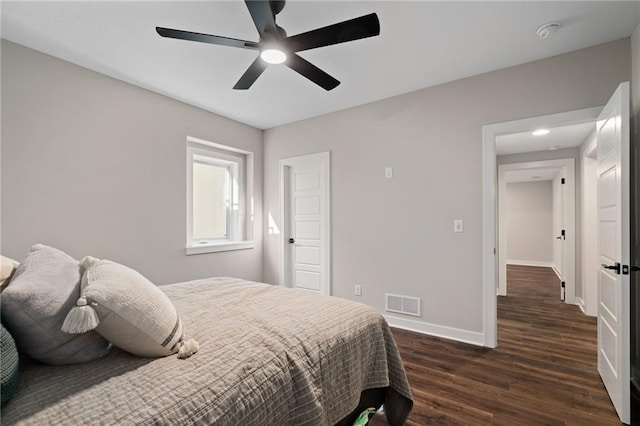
(273, 56)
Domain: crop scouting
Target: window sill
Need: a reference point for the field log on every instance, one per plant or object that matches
(216, 247)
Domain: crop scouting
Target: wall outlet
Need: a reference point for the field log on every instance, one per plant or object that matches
(357, 290)
(388, 172)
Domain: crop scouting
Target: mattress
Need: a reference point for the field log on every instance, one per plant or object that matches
(268, 356)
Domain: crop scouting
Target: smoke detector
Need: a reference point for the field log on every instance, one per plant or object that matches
(547, 30)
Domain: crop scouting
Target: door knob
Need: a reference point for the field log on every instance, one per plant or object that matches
(615, 267)
(291, 241)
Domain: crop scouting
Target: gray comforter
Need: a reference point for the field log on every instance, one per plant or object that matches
(268, 356)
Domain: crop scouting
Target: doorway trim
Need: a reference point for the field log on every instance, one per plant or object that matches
(567, 167)
(489, 203)
(324, 159)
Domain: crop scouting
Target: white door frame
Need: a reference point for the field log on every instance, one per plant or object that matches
(489, 203)
(324, 158)
(569, 219)
(589, 218)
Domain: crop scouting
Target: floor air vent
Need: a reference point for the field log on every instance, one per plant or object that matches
(402, 304)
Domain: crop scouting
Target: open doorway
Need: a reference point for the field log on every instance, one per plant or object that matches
(613, 235)
(519, 154)
(536, 219)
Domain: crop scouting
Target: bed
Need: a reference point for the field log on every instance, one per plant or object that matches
(268, 356)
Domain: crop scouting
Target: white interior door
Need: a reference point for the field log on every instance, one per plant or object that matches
(612, 130)
(558, 226)
(305, 254)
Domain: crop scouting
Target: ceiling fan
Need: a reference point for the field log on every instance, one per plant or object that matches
(276, 47)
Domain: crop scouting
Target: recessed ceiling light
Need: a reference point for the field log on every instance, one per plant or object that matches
(536, 177)
(273, 56)
(540, 132)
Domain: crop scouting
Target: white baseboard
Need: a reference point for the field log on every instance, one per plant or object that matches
(529, 263)
(583, 307)
(558, 274)
(464, 336)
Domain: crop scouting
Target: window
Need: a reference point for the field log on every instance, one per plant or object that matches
(219, 197)
(212, 199)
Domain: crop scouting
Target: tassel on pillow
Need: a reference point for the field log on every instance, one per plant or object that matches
(81, 318)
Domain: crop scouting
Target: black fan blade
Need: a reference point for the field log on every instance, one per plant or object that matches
(313, 73)
(263, 17)
(251, 74)
(206, 38)
(353, 29)
(276, 6)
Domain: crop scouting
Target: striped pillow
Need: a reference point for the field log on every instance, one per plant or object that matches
(10, 364)
(7, 268)
(132, 313)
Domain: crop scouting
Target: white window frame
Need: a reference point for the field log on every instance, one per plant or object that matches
(240, 219)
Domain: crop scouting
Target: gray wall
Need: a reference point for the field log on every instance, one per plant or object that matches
(396, 235)
(97, 167)
(530, 222)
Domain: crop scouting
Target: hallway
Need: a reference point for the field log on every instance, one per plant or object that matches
(544, 370)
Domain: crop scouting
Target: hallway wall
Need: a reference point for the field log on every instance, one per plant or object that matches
(529, 223)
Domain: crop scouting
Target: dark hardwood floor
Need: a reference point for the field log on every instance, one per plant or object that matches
(542, 372)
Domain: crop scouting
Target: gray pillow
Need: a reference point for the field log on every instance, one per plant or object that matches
(43, 289)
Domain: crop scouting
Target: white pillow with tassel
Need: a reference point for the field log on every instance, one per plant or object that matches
(128, 310)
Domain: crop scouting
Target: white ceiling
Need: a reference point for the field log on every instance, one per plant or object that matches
(561, 137)
(421, 44)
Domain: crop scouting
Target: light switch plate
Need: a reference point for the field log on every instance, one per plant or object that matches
(458, 225)
(388, 172)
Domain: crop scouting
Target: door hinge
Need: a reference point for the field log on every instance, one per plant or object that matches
(562, 181)
(563, 235)
(562, 291)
